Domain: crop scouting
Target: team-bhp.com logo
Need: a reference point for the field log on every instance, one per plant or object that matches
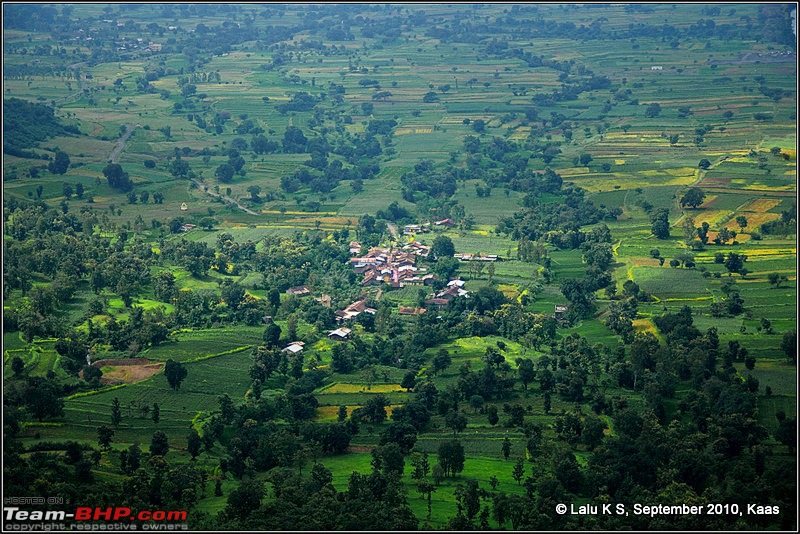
(89, 513)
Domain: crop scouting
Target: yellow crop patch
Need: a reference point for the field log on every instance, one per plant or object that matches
(712, 217)
(644, 325)
(362, 388)
(619, 162)
(760, 205)
(754, 220)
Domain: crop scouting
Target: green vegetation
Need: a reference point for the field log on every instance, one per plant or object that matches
(196, 197)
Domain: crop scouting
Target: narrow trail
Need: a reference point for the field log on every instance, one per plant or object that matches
(121, 144)
(393, 229)
(225, 198)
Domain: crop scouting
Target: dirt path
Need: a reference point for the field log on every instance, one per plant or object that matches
(393, 229)
(227, 199)
(123, 141)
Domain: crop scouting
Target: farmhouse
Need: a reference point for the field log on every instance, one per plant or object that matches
(447, 223)
(411, 229)
(405, 310)
(443, 297)
(299, 291)
(477, 257)
(560, 312)
(340, 334)
(294, 348)
(354, 310)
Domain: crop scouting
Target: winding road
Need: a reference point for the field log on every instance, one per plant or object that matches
(120, 146)
(227, 199)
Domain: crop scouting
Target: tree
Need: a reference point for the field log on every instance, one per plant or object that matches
(476, 402)
(776, 279)
(245, 499)
(117, 177)
(375, 409)
(519, 470)
(224, 173)
(409, 380)
(60, 163)
(526, 372)
(226, 408)
(254, 190)
(789, 345)
(116, 412)
(159, 444)
(193, 443)
(17, 365)
(653, 110)
(67, 190)
(441, 361)
(272, 335)
(693, 197)
(155, 415)
(660, 223)
(734, 262)
(401, 433)
(455, 420)
(104, 436)
(491, 415)
(388, 458)
(175, 373)
(451, 457)
(704, 164)
(741, 220)
(442, 247)
(592, 431)
(506, 448)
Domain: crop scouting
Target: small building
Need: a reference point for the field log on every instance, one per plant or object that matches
(448, 223)
(656, 67)
(325, 300)
(405, 310)
(561, 312)
(340, 334)
(294, 348)
(184, 206)
(299, 291)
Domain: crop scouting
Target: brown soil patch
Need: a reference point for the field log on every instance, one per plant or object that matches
(359, 448)
(127, 370)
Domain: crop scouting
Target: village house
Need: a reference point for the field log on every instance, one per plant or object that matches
(294, 348)
(354, 310)
(411, 229)
(299, 291)
(476, 257)
(340, 334)
(443, 297)
(447, 223)
(560, 312)
(405, 310)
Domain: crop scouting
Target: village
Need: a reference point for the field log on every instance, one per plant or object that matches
(390, 268)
